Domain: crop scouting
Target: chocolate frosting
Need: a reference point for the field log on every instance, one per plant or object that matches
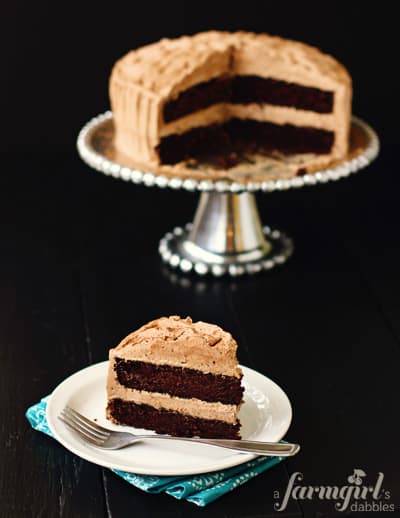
(170, 64)
(181, 342)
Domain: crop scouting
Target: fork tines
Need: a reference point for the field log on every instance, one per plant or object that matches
(87, 429)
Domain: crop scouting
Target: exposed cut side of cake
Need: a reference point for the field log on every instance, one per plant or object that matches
(176, 377)
(225, 94)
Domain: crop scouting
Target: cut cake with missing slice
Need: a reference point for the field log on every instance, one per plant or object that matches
(216, 95)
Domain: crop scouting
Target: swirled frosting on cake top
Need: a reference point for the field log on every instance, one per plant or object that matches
(170, 64)
(180, 342)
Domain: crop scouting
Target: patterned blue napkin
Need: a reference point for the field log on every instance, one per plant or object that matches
(199, 489)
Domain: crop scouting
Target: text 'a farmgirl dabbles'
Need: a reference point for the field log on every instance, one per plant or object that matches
(355, 495)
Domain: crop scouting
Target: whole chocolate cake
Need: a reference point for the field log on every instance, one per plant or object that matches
(176, 377)
(225, 95)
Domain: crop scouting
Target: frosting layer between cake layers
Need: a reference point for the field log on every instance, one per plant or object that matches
(175, 376)
(172, 86)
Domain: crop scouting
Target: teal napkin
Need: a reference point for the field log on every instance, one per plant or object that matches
(198, 489)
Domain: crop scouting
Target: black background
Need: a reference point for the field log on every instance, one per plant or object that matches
(79, 267)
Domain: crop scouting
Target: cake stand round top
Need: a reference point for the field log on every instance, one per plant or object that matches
(96, 148)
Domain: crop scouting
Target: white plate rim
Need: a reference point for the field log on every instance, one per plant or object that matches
(52, 410)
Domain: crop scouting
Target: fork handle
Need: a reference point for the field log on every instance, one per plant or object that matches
(256, 447)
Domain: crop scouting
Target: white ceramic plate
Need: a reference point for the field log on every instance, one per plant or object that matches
(265, 416)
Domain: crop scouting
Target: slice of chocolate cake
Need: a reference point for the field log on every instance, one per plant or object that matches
(176, 377)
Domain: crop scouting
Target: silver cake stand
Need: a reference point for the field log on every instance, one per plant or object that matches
(226, 236)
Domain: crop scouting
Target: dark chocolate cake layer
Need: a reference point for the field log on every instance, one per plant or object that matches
(248, 89)
(241, 136)
(168, 422)
(198, 97)
(179, 381)
(254, 89)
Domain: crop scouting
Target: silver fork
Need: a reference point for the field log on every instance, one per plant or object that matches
(101, 437)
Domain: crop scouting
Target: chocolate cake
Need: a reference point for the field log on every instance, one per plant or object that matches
(176, 377)
(228, 95)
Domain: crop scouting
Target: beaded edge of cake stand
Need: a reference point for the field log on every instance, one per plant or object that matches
(111, 168)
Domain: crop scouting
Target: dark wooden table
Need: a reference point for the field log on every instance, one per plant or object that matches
(80, 269)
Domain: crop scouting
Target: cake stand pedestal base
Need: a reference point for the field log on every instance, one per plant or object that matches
(226, 237)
